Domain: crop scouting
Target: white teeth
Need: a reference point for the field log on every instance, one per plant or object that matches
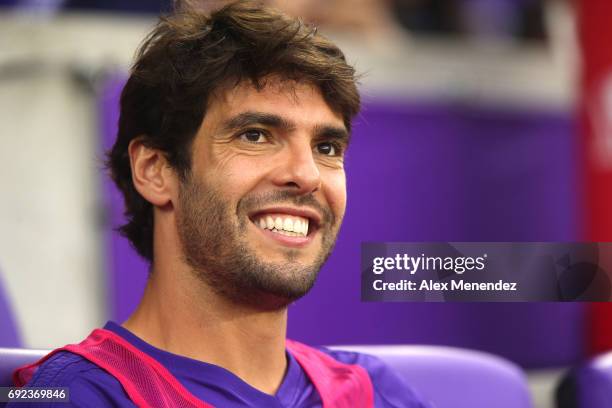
(286, 225)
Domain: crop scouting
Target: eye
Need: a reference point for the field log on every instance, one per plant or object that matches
(328, 149)
(254, 136)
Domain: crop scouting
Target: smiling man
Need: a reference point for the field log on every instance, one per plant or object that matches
(230, 155)
(259, 211)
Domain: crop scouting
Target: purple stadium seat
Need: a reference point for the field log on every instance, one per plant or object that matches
(448, 377)
(455, 378)
(9, 336)
(588, 385)
(12, 358)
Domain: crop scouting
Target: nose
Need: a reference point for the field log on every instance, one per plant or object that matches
(298, 170)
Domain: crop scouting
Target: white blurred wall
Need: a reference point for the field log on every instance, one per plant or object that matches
(50, 212)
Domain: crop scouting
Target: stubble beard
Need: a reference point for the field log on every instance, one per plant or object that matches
(215, 247)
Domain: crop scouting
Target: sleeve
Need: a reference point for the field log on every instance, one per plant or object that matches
(97, 391)
(88, 385)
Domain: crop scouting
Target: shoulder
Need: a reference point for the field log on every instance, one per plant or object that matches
(390, 390)
(88, 385)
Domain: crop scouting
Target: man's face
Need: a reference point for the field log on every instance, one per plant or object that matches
(259, 213)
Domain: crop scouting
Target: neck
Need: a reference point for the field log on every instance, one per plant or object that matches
(180, 314)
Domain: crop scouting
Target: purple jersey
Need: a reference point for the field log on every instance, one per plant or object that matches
(91, 386)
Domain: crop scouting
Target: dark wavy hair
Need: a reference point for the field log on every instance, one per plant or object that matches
(191, 54)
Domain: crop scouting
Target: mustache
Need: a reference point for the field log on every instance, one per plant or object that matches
(254, 202)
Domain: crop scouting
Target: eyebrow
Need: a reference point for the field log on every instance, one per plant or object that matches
(332, 132)
(250, 118)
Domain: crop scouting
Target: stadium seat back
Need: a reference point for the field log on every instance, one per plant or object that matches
(588, 385)
(455, 378)
(447, 377)
(12, 358)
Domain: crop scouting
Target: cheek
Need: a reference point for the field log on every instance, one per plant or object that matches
(235, 174)
(335, 192)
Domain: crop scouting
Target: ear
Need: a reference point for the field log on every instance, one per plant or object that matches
(152, 176)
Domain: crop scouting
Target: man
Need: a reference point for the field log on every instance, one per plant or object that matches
(229, 154)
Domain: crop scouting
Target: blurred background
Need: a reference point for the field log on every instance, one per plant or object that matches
(483, 120)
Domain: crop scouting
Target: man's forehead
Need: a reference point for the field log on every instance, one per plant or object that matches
(274, 94)
(271, 84)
